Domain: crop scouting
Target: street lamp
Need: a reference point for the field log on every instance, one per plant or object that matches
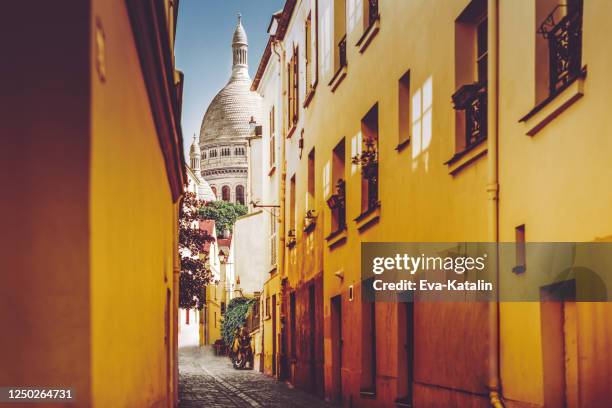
(256, 130)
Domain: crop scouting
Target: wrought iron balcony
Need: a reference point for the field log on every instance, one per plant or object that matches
(472, 99)
(337, 204)
(372, 193)
(342, 52)
(564, 45)
(372, 11)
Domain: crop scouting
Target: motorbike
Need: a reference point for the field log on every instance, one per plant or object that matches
(242, 352)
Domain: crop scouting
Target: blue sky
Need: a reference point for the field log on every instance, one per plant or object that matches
(203, 49)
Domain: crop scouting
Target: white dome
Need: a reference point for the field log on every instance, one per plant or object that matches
(225, 128)
(205, 193)
(240, 36)
(228, 115)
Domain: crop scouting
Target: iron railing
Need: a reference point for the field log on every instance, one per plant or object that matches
(472, 99)
(372, 193)
(564, 45)
(337, 205)
(372, 11)
(342, 52)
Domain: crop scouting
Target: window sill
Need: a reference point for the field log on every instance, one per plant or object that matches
(552, 106)
(338, 78)
(403, 402)
(369, 394)
(368, 35)
(466, 157)
(336, 238)
(368, 218)
(309, 95)
(291, 131)
(272, 170)
(403, 145)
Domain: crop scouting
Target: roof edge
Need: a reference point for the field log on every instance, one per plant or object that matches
(283, 23)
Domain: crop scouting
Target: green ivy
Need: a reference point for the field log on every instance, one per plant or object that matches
(235, 317)
(223, 213)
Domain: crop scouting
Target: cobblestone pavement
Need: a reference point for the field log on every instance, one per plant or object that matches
(206, 380)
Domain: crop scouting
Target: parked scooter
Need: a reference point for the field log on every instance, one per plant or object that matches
(241, 352)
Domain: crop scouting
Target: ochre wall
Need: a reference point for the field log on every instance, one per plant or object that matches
(557, 184)
(420, 201)
(132, 222)
(271, 287)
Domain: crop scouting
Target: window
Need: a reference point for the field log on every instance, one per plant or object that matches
(292, 86)
(308, 53)
(292, 205)
(225, 151)
(310, 193)
(368, 348)
(213, 153)
(482, 50)
(367, 160)
(471, 60)
(240, 194)
(558, 45)
(340, 60)
(272, 136)
(521, 253)
(292, 325)
(337, 201)
(255, 315)
(214, 190)
(225, 193)
(268, 307)
(422, 101)
(239, 151)
(404, 110)
(204, 154)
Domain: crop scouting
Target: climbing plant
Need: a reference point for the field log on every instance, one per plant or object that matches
(235, 317)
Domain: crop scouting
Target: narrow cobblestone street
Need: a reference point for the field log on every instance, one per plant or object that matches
(206, 380)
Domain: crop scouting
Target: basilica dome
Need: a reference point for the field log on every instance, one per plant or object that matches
(225, 127)
(228, 115)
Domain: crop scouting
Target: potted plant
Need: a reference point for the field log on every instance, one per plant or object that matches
(368, 160)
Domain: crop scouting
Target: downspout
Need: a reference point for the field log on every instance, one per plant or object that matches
(495, 397)
(281, 197)
(281, 192)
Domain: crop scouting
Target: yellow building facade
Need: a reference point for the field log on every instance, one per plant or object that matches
(96, 111)
(479, 136)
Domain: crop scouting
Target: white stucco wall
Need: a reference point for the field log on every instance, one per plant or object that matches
(250, 256)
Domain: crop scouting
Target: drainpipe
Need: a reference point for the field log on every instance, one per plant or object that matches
(281, 197)
(283, 165)
(494, 381)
